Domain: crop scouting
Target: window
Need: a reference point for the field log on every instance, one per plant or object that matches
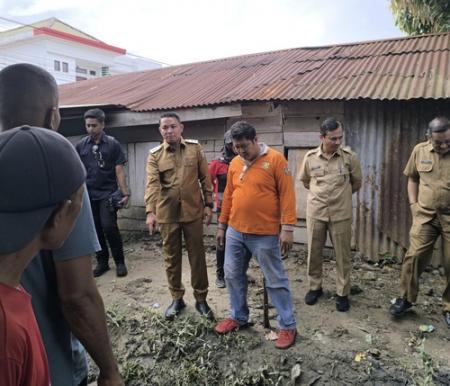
(57, 65)
(92, 73)
(65, 67)
(80, 70)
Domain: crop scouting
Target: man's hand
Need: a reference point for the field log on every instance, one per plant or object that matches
(151, 222)
(124, 201)
(286, 240)
(115, 380)
(207, 214)
(220, 238)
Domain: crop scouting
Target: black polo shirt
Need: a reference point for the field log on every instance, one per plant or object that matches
(100, 161)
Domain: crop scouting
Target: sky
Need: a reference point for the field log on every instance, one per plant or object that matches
(176, 31)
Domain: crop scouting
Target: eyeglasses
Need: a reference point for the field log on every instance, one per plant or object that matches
(98, 157)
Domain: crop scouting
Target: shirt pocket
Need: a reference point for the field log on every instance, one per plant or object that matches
(425, 170)
(425, 167)
(166, 173)
(317, 175)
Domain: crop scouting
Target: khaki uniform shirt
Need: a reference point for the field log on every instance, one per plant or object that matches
(432, 171)
(330, 183)
(174, 178)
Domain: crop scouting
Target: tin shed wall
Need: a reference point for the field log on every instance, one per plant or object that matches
(383, 133)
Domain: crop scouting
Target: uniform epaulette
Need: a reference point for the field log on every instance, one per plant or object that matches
(155, 149)
(347, 149)
(191, 141)
(312, 151)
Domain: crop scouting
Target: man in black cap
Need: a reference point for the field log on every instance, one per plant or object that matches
(65, 297)
(104, 160)
(30, 220)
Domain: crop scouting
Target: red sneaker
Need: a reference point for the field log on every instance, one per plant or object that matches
(226, 326)
(286, 338)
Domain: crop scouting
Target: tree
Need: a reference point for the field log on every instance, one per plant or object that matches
(417, 17)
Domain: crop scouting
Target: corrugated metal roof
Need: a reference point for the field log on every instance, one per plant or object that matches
(395, 69)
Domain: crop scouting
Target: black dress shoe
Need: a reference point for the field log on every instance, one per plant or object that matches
(121, 270)
(342, 303)
(312, 296)
(400, 306)
(204, 310)
(100, 269)
(447, 318)
(174, 309)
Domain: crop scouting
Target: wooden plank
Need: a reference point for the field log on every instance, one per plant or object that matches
(312, 108)
(141, 154)
(132, 172)
(295, 159)
(302, 139)
(208, 130)
(131, 118)
(135, 134)
(261, 109)
(208, 145)
(262, 125)
(271, 139)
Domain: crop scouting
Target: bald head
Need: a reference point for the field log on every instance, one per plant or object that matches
(28, 96)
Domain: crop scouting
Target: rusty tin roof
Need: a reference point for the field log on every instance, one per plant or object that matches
(394, 69)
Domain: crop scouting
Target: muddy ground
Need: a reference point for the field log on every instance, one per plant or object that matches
(364, 346)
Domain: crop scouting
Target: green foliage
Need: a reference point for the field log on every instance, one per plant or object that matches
(417, 17)
(185, 352)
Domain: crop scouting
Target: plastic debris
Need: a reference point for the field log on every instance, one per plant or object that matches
(369, 339)
(271, 335)
(156, 305)
(426, 328)
(360, 356)
(296, 371)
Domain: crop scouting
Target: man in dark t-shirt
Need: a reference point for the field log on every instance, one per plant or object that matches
(104, 160)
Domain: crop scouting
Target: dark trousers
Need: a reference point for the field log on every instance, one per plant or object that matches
(105, 219)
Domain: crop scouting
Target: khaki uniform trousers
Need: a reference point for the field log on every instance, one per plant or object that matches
(422, 238)
(171, 234)
(341, 235)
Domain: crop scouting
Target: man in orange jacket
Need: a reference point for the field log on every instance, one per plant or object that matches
(258, 201)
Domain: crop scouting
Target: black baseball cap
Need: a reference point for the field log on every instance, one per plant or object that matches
(39, 169)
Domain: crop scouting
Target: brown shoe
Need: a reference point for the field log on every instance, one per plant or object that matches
(286, 338)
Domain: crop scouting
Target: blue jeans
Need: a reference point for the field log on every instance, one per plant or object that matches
(239, 248)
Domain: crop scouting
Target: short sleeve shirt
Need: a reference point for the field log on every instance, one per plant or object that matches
(39, 279)
(330, 183)
(100, 161)
(432, 171)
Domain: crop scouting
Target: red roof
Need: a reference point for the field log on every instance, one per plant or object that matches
(400, 69)
(77, 39)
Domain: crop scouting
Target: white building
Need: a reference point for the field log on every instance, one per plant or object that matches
(68, 54)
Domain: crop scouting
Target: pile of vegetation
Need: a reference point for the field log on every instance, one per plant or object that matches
(153, 351)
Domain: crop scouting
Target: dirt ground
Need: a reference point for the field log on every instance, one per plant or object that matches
(364, 346)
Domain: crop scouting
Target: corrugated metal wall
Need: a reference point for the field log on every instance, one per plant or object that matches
(383, 133)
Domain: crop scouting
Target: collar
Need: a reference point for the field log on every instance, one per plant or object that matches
(321, 153)
(263, 149)
(102, 138)
(429, 147)
(166, 146)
